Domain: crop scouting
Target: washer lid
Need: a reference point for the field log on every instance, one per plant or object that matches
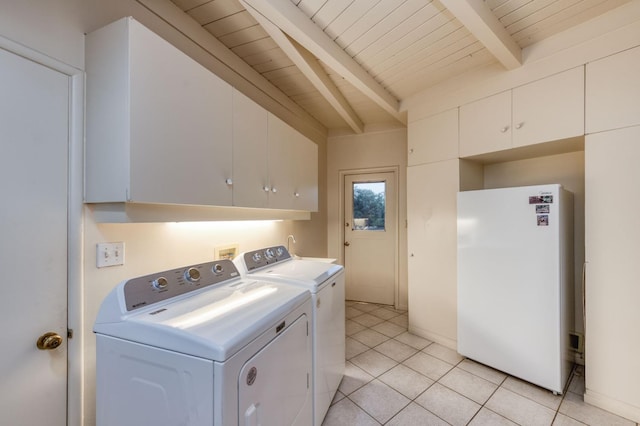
(212, 324)
(308, 272)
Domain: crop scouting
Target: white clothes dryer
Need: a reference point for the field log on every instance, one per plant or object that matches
(326, 283)
(201, 346)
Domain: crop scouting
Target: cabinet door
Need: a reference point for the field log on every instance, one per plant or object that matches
(612, 238)
(549, 109)
(305, 158)
(180, 124)
(433, 138)
(485, 125)
(282, 139)
(613, 92)
(432, 247)
(250, 174)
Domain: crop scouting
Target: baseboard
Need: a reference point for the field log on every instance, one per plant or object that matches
(614, 406)
(434, 337)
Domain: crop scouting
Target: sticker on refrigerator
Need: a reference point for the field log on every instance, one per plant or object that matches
(543, 220)
(541, 199)
(542, 208)
(536, 199)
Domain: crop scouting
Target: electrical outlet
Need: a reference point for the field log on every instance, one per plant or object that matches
(109, 254)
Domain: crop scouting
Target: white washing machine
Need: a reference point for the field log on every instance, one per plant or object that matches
(325, 281)
(202, 346)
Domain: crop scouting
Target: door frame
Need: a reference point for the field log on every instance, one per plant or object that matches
(396, 172)
(75, 319)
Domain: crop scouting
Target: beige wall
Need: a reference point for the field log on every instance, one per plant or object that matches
(370, 150)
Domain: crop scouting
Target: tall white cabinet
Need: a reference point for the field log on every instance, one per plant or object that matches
(612, 202)
(432, 249)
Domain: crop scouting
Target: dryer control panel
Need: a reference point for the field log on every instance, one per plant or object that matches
(144, 291)
(267, 256)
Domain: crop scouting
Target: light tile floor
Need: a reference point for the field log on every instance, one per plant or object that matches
(393, 377)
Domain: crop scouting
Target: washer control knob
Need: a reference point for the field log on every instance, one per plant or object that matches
(269, 254)
(160, 283)
(279, 251)
(257, 257)
(217, 268)
(192, 275)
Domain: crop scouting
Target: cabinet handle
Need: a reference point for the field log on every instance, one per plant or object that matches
(411, 151)
(504, 129)
(274, 190)
(265, 188)
(296, 194)
(519, 125)
(228, 181)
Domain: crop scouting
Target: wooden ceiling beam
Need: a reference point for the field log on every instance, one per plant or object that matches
(478, 18)
(292, 21)
(311, 69)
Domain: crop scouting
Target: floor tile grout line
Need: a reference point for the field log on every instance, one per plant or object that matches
(453, 366)
(456, 365)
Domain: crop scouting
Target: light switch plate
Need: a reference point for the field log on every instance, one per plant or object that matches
(109, 254)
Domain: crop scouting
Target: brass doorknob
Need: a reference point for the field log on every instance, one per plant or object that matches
(49, 341)
(347, 243)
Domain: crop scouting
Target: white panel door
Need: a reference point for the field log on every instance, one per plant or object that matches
(612, 92)
(485, 125)
(281, 164)
(431, 242)
(549, 109)
(250, 173)
(433, 138)
(612, 239)
(370, 237)
(34, 118)
(305, 157)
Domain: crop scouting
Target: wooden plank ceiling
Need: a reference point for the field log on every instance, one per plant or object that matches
(378, 52)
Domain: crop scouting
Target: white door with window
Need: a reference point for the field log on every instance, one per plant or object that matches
(370, 237)
(34, 118)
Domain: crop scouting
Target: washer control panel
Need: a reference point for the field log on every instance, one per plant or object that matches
(266, 256)
(144, 291)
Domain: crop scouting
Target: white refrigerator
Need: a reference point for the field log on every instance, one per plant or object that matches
(515, 281)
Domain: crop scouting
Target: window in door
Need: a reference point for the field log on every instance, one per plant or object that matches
(369, 205)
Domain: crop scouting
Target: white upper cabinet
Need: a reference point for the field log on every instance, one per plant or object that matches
(613, 92)
(434, 138)
(305, 160)
(274, 166)
(549, 109)
(250, 148)
(158, 123)
(542, 111)
(293, 168)
(485, 125)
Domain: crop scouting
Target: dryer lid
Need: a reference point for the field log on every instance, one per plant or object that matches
(212, 324)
